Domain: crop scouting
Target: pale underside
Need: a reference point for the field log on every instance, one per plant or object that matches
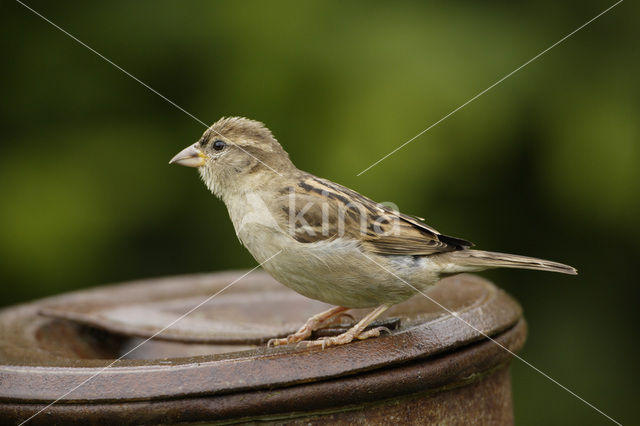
(339, 247)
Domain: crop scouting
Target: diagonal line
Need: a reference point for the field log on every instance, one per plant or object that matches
(456, 315)
(114, 64)
(136, 79)
(492, 86)
(365, 170)
(149, 338)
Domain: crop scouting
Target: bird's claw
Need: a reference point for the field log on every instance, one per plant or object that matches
(344, 338)
(279, 342)
(292, 338)
(274, 342)
(374, 332)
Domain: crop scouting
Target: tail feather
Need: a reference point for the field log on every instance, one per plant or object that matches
(471, 260)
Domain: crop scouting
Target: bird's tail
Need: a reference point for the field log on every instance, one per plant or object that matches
(476, 260)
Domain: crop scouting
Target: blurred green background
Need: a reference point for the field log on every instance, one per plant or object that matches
(544, 164)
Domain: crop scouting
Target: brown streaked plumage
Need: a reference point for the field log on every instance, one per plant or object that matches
(380, 229)
(324, 240)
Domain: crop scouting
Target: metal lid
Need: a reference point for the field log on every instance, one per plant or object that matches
(50, 346)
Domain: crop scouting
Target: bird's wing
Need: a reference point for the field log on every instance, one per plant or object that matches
(317, 209)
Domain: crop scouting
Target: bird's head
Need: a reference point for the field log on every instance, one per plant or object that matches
(234, 154)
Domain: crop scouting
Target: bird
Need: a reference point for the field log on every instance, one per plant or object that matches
(324, 240)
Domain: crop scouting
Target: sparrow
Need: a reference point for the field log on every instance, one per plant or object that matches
(326, 241)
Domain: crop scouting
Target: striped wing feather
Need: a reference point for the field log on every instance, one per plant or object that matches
(324, 210)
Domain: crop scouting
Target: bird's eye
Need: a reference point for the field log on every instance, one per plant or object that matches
(219, 145)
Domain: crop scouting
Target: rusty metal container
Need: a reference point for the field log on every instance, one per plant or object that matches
(88, 351)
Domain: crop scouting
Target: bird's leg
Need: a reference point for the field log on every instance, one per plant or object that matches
(309, 327)
(355, 332)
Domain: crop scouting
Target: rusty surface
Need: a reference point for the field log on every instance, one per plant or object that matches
(482, 402)
(469, 385)
(199, 374)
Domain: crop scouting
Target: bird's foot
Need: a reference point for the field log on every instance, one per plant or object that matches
(346, 337)
(309, 327)
(296, 337)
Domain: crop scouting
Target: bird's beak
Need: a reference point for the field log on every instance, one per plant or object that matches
(191, 156)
